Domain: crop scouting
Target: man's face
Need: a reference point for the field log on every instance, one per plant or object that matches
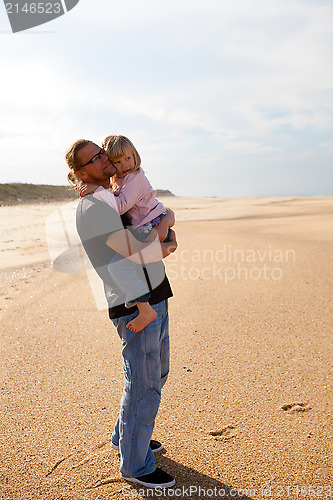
(97, 172)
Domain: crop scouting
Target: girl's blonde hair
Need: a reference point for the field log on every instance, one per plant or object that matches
(116, 146)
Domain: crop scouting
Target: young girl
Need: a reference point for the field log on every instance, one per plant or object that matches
(133, 194)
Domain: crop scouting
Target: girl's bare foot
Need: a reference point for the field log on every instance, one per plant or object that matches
(146, 315)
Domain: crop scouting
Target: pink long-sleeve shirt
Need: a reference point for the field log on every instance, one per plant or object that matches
(134, 195)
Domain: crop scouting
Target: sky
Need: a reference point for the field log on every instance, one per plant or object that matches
(220, 98)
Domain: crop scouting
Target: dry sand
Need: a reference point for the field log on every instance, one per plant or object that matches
(248, 404)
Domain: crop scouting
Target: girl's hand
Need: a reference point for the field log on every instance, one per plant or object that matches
(85, 189)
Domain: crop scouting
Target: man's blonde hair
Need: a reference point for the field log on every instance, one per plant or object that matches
(72, 161)
(116, 146)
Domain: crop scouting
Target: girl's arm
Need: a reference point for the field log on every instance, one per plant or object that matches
(105, 195)
(131, 192)
(99, 192)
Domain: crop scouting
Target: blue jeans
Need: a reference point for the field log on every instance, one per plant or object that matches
(146, 368)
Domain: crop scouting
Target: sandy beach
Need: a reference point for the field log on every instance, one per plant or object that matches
(247, 410)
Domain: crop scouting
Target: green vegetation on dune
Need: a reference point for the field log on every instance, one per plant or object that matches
(163, 192)
(19, 193)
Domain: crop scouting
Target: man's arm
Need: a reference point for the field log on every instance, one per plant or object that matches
(124, 243)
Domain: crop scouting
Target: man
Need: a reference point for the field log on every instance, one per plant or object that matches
(145, 354)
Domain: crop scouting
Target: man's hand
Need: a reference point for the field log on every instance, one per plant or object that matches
(169, 246)
(124, 243)
(167, 221)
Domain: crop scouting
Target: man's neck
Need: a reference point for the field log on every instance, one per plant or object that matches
(105, 184)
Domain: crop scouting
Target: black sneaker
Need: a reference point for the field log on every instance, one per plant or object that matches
(154, 445)
(156, 479)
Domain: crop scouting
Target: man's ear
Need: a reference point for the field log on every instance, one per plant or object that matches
(81, 175)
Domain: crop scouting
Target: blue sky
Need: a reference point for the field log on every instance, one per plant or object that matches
(220, 98)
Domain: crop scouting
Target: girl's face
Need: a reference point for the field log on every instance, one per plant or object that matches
(124, 164)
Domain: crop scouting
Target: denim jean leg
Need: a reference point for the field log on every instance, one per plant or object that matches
(165, 346)
(145, 364)
(115, 434)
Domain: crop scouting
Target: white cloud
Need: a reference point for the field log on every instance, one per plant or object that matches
(253, 147)
(328, 147)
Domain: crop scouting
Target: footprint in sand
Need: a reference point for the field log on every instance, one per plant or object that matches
(224, 434)
(84, 456)
(296, 407)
